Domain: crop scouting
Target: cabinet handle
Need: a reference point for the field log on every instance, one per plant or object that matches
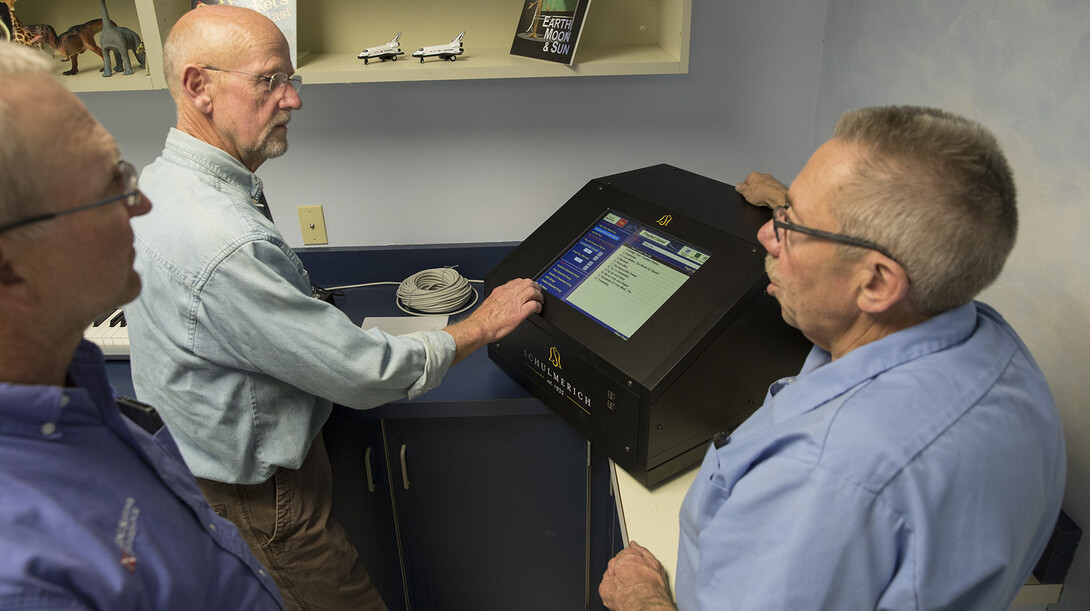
(404, 469)
(367, 467)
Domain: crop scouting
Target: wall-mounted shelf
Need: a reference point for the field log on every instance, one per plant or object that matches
(620, 37)
(67, 13)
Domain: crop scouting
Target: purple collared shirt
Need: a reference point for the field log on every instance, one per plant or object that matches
(97, 513)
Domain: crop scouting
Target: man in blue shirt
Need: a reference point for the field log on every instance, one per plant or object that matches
(917, 460)
(97, 509)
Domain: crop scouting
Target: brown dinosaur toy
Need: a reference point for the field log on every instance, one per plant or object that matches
(41, 34)
(76, 40)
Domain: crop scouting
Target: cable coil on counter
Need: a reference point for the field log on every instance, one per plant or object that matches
(439, 290)
(431, 292)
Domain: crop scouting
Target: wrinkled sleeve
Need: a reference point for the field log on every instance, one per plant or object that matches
(255, 312)
(790, 535)
(28, 595)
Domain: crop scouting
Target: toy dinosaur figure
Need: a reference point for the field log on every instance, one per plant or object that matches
(76, 40)
(117, 40)
(42, 34)
(137, 51)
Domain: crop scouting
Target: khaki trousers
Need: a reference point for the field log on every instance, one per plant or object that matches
(287, 523)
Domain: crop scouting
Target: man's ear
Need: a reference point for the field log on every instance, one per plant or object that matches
(884, 284)
(197, 87)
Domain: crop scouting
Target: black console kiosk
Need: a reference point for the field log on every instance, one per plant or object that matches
(656, 332)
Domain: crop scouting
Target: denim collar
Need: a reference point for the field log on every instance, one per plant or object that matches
(223, 170)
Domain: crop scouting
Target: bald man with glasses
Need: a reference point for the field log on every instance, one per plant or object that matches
(97, 509)
(227, 341)
(917, 459)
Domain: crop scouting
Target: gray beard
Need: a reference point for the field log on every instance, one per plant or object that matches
(271, 148)
(274, 146)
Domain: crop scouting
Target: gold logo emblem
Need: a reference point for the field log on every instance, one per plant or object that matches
(665, 220)
(554, 357)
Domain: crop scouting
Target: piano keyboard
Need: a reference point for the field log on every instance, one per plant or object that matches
(110, 333)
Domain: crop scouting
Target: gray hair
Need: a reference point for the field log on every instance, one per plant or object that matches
(935, 190)
(20, 190)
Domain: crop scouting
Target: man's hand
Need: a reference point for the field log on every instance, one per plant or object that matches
(761, 189)
(505, 308)
(635, 581)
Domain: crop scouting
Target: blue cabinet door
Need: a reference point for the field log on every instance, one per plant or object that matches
(492, 512)
(361, 498)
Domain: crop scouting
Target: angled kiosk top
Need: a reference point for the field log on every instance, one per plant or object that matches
(656, 332)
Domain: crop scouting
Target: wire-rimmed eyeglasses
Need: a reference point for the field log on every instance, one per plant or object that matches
(275, 81)
(779, 221)
(130, 193)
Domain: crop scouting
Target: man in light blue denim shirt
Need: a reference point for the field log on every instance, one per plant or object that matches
(917, 459)
(227, 341)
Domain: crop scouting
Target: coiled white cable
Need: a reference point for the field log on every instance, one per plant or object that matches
(435, 291)
(440, 290)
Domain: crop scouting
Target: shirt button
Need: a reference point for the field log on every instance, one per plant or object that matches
(212, 526)
(49, 428)
(721, 439)
(64, 400)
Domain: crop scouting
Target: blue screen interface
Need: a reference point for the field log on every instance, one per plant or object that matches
(621, 272)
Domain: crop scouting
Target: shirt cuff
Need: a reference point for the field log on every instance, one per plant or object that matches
(439, 351)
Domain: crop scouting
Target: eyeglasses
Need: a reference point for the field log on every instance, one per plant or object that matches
(779, 221)
(130, 194)
(275, 81)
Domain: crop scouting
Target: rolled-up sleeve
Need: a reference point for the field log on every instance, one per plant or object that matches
(259, 295)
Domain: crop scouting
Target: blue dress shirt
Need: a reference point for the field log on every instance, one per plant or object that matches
(96, 513)
(921, 471)
(227, 341)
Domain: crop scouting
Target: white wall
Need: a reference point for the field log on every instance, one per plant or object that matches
(762, 92)
(1023, 69)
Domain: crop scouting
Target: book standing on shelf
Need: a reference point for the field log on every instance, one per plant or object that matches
(550, 29)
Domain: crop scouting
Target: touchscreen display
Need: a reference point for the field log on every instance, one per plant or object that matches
(621, 272)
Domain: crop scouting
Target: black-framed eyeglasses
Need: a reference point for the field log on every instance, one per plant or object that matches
(779, 221)
(130, 194)
(275, 81)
